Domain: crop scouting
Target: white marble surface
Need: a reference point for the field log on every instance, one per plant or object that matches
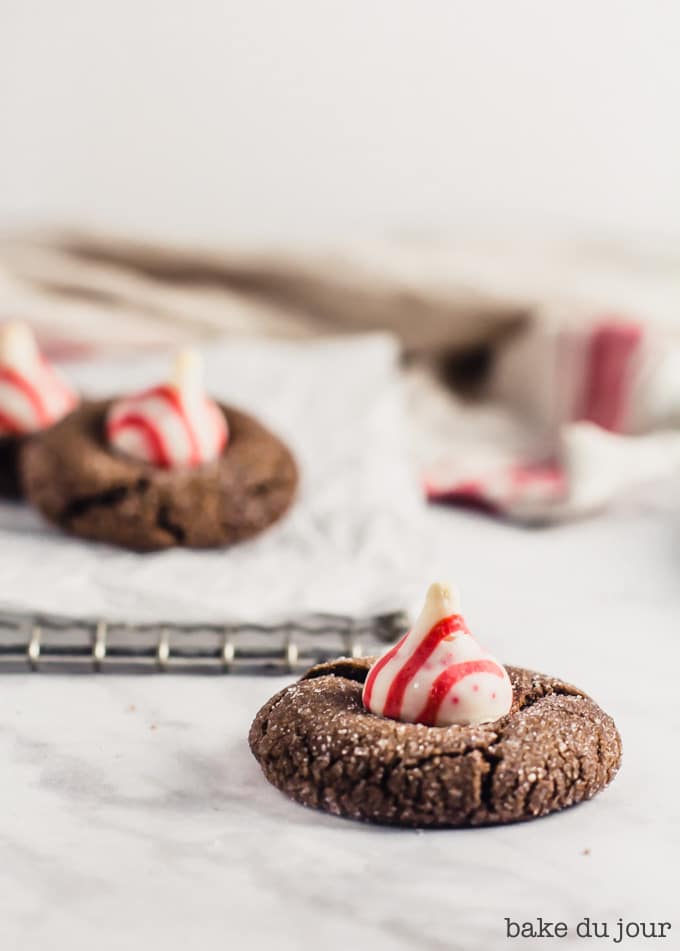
(133, 815)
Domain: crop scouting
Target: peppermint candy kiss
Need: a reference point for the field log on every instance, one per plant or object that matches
(438, 674)
(32, 394)
(173, 425)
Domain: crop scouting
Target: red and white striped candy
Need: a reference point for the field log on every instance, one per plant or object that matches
(174, 425)
(32, 394)
(438, 674)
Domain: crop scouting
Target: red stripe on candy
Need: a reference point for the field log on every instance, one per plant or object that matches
(9, 426)
(375, 670)
(441, 630)
(153, 437)
(173, 399)
(448, 679)
(29, 391)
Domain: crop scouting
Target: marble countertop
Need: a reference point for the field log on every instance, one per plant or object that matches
(134, 816)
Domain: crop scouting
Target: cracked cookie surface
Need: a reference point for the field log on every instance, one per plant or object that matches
(79, 483)
(316, 743)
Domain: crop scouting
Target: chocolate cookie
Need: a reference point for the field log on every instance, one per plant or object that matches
(316, 743)
(10, 482)
(74, 478)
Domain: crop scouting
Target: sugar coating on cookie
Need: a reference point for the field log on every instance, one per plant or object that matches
(438, 674)
(33, 395)
(173, 425)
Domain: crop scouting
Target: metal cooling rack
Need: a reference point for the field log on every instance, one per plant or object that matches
(54, 642)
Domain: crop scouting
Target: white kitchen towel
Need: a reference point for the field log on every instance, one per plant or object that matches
(591, 409)
(582, 403)
(340, 550)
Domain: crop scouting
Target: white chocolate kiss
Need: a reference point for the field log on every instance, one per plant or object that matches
(187, 375)
(438, 677)
(18, 348)
(32, 394)
(171, 426)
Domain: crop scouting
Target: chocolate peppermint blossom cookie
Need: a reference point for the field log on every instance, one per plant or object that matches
(33, 396)
(435, 733)
(161, 468)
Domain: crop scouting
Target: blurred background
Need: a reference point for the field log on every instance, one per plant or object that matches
(325, 121)
(478, 179)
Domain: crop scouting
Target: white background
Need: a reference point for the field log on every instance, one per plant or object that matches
(326, 119)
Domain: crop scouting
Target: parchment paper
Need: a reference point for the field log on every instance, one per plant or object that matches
(341, 549)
